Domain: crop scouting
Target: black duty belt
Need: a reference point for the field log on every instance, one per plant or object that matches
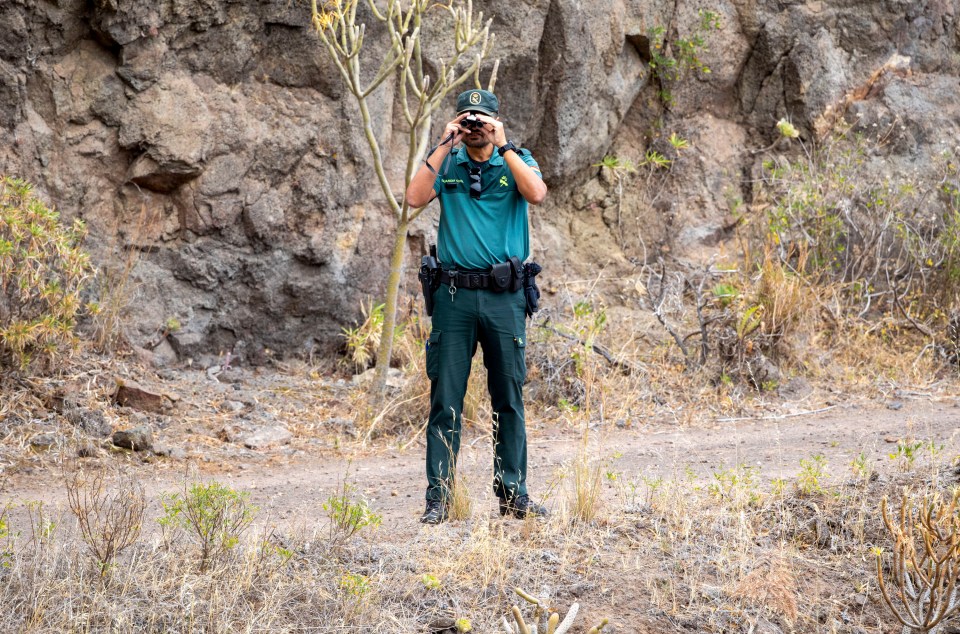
(467, 279)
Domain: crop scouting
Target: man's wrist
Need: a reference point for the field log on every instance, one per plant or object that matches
(443, 149)
(506, 147)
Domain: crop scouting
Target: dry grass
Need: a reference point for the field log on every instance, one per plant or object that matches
(585, 479)
(114, 288)
(461, 504)
(664, 550)
(677, 553)
(771, 586)
(281, 581)
(109, 519)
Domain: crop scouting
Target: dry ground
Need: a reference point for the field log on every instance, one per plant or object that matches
(292, 481)
(699, 515)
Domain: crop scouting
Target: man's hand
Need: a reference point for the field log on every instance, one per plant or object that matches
(529, 182)
(454, 131)
(494, 130)
(420, 192)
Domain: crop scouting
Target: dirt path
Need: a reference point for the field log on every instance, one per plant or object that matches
(293, 488)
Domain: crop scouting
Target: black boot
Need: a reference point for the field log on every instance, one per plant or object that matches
(436, 513)
(522, 506)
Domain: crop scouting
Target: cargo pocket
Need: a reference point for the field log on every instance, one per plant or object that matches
(433, 355)
(520, 358)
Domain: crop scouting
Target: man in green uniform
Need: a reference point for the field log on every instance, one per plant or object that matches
(484, 190)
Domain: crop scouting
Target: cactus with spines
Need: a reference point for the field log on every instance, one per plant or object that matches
(541, 613)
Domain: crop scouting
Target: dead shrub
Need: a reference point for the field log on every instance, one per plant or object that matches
(771, 585)
(110, 520)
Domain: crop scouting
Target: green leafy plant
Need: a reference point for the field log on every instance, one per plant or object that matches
(355, 589)
(364, 339)
(737, 487)
(787, 129)
(672, 59)
(616, 163)
(354, 584)
(213, 514)
(778, 487)
(43, 272)
(655, 160)
(861, 467)
(906, 453)
(347, 516)
(812, 473)
(677, 142)
(430, 582)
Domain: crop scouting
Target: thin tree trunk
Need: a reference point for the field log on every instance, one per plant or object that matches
(385, 351)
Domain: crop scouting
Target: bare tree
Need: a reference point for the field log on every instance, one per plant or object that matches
(419, 95)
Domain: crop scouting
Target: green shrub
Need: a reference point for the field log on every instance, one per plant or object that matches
(889, 242)
(347, 516)
(6, 540)
(213, 514)
(673, 57)
(43, 271)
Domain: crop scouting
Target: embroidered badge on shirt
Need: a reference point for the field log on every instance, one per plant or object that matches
(504, 182)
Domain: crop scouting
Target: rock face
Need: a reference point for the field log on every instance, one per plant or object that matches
(210, 145)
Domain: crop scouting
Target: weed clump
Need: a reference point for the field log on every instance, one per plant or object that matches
(347, 516)
(213, 514)
(43, 272)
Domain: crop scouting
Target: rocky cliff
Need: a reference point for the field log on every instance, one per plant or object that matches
(210, 144)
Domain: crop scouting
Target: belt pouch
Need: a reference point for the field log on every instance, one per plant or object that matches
(501, 276)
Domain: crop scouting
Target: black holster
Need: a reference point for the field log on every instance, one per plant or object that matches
(530, 289)
(518, 273)
(429, 276)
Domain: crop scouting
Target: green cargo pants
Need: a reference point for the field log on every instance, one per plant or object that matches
(498, 322)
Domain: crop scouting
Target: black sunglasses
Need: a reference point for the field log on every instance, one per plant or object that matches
(475, 182)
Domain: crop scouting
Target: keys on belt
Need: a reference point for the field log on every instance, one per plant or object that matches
(466, 279)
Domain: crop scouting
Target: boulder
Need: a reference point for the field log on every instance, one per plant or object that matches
(136, 439)
(255, 436)
(131, 394)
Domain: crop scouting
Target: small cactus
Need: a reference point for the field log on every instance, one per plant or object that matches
(552, 623)
(926, 561)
